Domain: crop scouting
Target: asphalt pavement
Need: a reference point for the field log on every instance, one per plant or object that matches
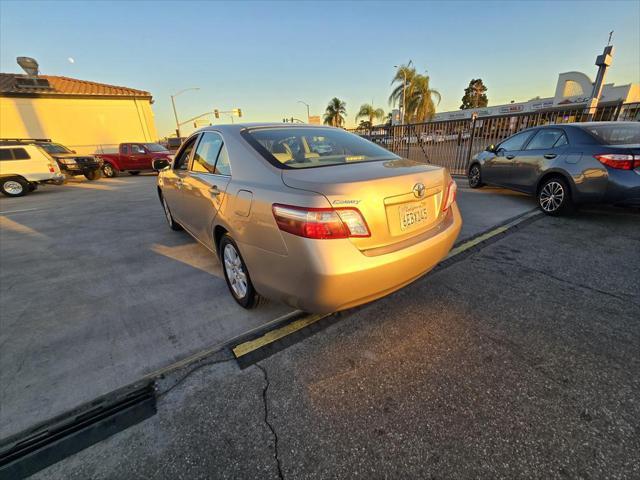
(520, 360)
(96, 291)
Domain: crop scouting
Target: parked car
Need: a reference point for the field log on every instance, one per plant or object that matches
(321, 233)
(71, 163)
(566, 164)
(23, 167)
(132, 158)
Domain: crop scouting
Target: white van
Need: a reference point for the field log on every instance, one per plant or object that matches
(23, 167)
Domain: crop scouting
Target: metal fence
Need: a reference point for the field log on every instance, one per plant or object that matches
(452, 143)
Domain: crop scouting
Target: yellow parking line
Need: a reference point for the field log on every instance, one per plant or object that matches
(273, 335)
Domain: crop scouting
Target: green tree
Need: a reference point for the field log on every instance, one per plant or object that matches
(365, 124)
(475, 95)
(370, 112)
(418, 92)
(335, 112)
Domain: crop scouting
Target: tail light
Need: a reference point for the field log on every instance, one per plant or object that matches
(619, 161)
(51, 168)
(450, 195)
(320, 223)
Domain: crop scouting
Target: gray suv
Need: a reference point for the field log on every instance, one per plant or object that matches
(567, 164)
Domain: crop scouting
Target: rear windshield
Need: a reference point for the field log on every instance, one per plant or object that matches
(622, 134)
(155, 147)
(302, 147)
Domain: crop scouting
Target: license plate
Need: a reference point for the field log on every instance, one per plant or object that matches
(413, 215)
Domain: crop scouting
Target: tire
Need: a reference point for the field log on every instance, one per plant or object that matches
(93, 174)
(237, 275)
(109, 171)
(33, 186)
(554, 196)
(475, 176)
(14, 187)
(134, 172)
(173, 225)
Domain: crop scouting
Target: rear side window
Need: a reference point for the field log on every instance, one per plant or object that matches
(206, 154)
(545, 139)
(20, 154)
(13, 154)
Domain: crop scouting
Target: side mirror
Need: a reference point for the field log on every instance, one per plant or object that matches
(491, 148)
(73, 151)
(160, 164)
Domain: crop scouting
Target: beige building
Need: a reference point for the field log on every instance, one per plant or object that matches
(88, 117)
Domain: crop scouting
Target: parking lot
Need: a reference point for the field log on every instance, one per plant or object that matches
(520, 360)
(97, 291)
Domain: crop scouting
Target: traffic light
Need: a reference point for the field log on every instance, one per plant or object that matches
(216, 113)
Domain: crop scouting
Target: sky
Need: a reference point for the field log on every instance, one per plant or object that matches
(264, 56)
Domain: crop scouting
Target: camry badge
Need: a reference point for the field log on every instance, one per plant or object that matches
(418, 190)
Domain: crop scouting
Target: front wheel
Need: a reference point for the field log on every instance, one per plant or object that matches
(109, 170)
(93, 174)
(475, 176)
(554, 197)
(14, 187)
(236, 274)
(173, 225)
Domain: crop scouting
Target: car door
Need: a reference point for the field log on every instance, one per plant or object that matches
(497, 170)
(174, 179)
(140, 158)
(545, 148)
(205, 184)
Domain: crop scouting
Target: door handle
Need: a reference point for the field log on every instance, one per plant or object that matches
(510, 157)
(179, 183)
(550, 155)
(215, 191)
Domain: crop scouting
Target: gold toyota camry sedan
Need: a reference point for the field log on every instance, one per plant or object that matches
(311, 216)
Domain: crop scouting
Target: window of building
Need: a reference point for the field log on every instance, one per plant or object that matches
(572, 89)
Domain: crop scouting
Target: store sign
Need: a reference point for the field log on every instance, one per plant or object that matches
(512, 109)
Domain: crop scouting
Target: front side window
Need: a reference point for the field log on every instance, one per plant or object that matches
(515, 143)
(309, 147)
(182, 160)
(545, 139)
(137, 149)
(206, 154)
(125, 149)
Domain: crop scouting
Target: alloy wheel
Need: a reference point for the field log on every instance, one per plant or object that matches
(12, 187)
(474, 176)
(235, 271)
(108, 170)
(551, 196)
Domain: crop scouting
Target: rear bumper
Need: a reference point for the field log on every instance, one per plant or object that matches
(623, 187)
(330, 275)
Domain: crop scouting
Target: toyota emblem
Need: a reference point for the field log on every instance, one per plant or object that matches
(418, 190)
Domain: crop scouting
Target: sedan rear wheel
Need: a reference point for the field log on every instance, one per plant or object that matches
(554, 197)
(236, 274)
(14, 187)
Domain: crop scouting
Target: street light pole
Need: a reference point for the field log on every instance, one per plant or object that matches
(308, 114)
(175, 112)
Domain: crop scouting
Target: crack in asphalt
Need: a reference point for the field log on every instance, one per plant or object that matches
(623, 297)
(266, 419)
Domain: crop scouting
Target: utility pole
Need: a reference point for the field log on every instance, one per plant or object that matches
(603, 62)
(308, 114)
(175, 112)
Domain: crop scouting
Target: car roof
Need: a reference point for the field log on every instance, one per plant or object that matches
(238, 127)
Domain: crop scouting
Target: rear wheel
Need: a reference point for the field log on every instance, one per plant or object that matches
(93, 174)
(475, 176)
(173, 225)
(134, 172)
(14, 187)
(109, 170)
(554, 196)
(236, 274)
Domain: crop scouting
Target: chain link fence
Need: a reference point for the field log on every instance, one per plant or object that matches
(452, 143)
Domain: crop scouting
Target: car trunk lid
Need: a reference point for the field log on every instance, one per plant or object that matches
(398, 199)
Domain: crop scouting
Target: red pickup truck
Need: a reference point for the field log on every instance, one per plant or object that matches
(132, 158)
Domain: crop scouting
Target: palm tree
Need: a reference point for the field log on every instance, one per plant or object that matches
(419, 95)
(420, 105)
(335, 112)
(369, 111)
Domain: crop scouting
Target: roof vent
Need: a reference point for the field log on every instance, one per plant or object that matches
(29, 65)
